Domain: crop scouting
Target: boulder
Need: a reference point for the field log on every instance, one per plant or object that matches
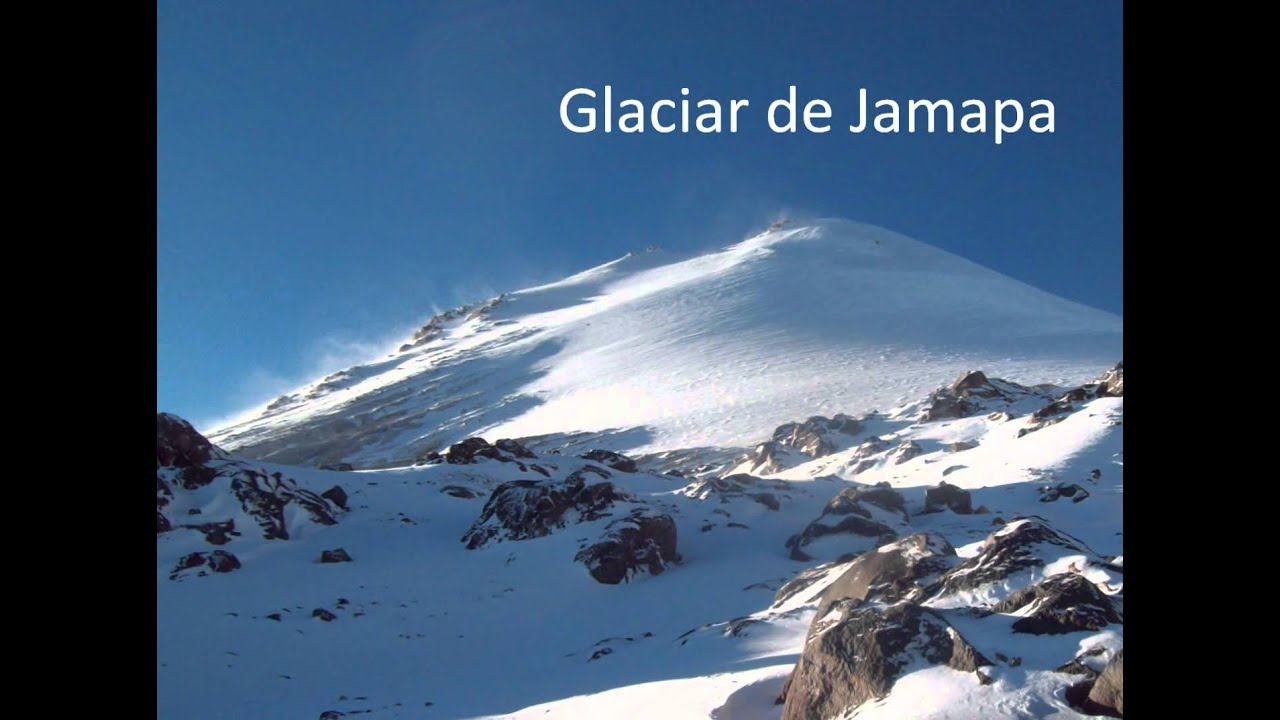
(470, 450)
(336, 495)
(617, 461)
(458, 491)
(906, 451)
(638, 543)
(1063, 490)
(525, 509)
(862, 654)
(1107, 695)
(869, 514)
(323, 614)
(338, 555)
(179, 445)
(947, 496)
(890, 573)
(961, 446)
(1060, 604)
(514, 448)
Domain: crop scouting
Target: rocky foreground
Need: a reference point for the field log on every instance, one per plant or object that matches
(960, 556)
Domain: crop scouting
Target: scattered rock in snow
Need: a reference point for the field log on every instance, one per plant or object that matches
(892, 572)
(638, 543)
(1052, 493)
(323, 614)
(339, 467)
(617, 461)
(514, 448)
(458, 491)
(860, 656)
(961, 446)
(906, 451)
(1063, 603)
(1021, 544)
(336, 495)
(525, 509)
(335, 556)
(217, 561)
(948, 496)
(1107, 695)
(864, 512)
(735, 486)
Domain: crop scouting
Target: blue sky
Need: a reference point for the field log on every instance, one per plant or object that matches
(331, 173)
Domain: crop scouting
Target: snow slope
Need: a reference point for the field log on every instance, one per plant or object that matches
(653, 352)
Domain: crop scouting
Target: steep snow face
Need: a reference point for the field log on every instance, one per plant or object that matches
(653, 352)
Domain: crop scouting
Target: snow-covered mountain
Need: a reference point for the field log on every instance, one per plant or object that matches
(653, 352)
(766, 482)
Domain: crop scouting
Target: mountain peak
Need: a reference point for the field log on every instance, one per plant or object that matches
(654, 351)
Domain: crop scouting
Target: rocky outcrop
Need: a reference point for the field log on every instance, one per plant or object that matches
(1106, 697)
(946, 496)
(336, 495)
(1009, 559)
(892, 572)
(526, 509)
(1052, 493)
(471, 450)
(217, 561)
(1112, 381)
(861, 654)
(458, 491)
(1060, 604)
(794, 443)
(740, 485)
(638, 543)
(338, 555)
(868, 514)
(906, 451)
(265, 497)
(187, 462)
(617, 461)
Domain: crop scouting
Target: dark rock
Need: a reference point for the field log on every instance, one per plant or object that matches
(1060, 604)
(275, 616)
(943, 405)
(223, 562)
(334, 556)
(162, 523)
(635, 544)
(515, 448)
(1055, 408)
(431, 458)
(1020, 545)
(336, 495)
(767, 500)
(323, 614)
(1107, 695)
(179, 445)
(458, 491)
(1063, 490)
(334, 714)
(982, 510)
(863, 653)
(617, 461)
(865, 512)
(265, 497)
(1095, 474)
(469, 450)
(340, 467)
(216, 533)
(217, 561)
(524, 509)
(948, 496)
(961, 446)
(890, 573)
